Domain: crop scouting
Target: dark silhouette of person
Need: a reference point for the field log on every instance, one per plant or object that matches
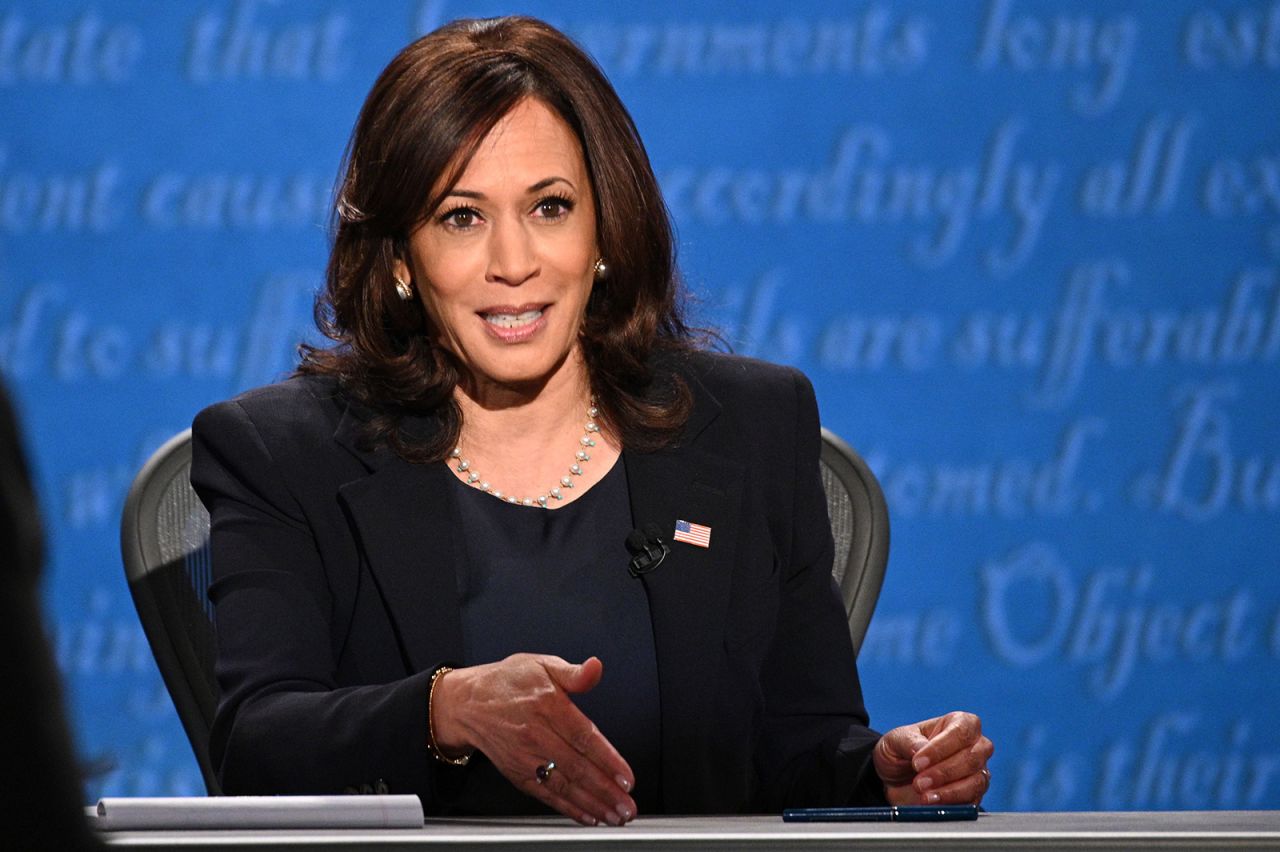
(41, 800)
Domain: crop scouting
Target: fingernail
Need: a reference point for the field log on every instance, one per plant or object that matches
(920, 764)
(932, 798)
(613, 818)
(623, 783)
(924, 783)
(590, 820)
(624, 812)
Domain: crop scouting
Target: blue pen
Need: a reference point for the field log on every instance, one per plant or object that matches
(887, 813)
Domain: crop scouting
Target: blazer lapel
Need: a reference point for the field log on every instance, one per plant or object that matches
(689, 591)
(404, 515)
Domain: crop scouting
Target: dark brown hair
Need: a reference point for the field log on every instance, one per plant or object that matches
(422, 122)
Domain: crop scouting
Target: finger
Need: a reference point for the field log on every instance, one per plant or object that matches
(574, 678)
(563, 787)
(902, 794)
(905, 742)
(528, 719)
(576, 778)
(573, 809)
(969, 789)
(893, 753)
(580, 783)
(595, 766)
(590, 771)
(957, 731)
(962, 764)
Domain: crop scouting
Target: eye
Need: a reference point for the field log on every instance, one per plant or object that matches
(460, 218)
(552, 207)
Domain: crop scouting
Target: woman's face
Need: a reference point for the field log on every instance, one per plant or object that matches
(505, 265)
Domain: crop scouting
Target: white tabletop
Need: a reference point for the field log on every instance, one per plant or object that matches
(1095, 830)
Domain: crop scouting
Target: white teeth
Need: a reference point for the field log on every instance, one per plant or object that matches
(512, 320)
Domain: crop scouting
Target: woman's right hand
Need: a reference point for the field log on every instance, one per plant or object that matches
(518, 713)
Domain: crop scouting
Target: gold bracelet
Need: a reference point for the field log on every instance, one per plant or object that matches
(431, 724)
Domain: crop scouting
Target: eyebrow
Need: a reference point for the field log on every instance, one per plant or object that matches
(537, 187)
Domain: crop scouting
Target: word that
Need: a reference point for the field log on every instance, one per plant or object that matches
(242, 46)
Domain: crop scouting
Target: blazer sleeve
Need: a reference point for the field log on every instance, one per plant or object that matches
(283, 725)
(816, 745)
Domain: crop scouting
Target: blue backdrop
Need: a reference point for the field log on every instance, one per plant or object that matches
(1028, 251)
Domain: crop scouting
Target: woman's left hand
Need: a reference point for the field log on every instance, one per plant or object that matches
(937, 761)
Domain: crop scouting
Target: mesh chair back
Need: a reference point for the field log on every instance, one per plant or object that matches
(164, 538)
(860, 527)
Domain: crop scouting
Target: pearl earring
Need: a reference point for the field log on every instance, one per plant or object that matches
(403, 290)
(601, 270)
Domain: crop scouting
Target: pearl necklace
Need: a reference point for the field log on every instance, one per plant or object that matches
(587, 441)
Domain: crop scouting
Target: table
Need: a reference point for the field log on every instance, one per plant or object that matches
(1041, 831)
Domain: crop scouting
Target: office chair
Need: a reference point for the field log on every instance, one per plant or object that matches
(164, 537)
(860, 527)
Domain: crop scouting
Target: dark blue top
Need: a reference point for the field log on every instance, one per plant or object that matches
(556, 582)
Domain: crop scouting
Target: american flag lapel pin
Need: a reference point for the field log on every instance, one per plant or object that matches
(695, 534)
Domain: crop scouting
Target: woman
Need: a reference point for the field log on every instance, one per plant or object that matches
(421, 541)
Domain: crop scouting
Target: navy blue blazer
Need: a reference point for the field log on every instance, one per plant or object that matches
(336, 598)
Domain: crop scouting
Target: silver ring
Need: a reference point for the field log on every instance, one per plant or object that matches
(543, 772)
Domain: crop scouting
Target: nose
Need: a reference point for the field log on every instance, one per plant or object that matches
(512, 255)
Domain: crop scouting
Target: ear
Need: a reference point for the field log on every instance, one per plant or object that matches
(400, 270)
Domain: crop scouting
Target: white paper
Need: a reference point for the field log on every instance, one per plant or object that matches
(231, 812)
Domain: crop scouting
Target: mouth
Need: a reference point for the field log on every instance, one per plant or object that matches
(514, 323)
(511, 318)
